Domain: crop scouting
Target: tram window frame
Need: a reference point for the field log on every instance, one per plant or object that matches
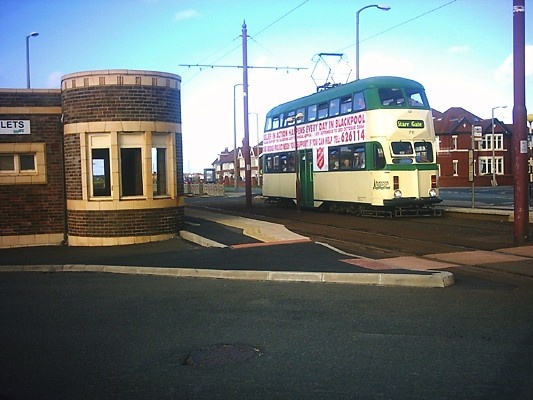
(268, 124)
(346, 104)
(290, 114)
(423, 152)
(391, 97)
(416, 98)
(334, 107)
(359, 102)
(379, 156)
(402, 152)
(312, 111)
(355, 155)
(402, 148)
(323, 109)
(275, 122)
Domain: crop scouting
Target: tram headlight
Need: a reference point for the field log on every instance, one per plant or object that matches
(398, 194)
(432, 193)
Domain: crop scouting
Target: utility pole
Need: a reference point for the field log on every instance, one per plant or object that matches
(521, 206)
(246, 141)
(246, 144)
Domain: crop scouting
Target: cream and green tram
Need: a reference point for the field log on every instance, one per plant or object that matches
(366, 147)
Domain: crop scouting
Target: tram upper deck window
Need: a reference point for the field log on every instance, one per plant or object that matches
(359, 101)
(416, 98)
(424, 152)
(391, 97)
(311, 112)
(346, 104)
(323, 110)
(334, 106)
(276, 122)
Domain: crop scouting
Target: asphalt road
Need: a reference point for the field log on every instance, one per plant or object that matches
(106, 336)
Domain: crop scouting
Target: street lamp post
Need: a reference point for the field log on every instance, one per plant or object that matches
(33, 34)
(235, 159)
(383, 8)
(494, 183)
(295, 120)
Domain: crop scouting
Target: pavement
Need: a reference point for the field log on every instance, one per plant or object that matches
(221, 246)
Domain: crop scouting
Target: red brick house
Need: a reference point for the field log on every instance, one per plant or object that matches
(454, 131)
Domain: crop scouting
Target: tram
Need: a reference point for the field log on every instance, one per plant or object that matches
(365, 148)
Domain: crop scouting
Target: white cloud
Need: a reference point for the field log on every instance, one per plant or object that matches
(186, 14)
(504, 73)
(459, 49)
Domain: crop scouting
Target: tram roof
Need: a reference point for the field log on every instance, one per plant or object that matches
(342, 90)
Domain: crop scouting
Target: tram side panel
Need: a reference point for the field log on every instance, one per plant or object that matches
(280, 185)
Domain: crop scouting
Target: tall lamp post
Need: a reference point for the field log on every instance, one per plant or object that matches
(33, 34)
(235, 158)
(383, 8)
(295, 120)
(494, 183)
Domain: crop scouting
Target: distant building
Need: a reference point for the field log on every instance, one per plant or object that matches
(453, 129)
(225, 165)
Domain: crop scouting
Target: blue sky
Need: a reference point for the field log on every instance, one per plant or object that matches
(460, 50)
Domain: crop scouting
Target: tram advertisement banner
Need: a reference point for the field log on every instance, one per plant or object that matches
(331, 132)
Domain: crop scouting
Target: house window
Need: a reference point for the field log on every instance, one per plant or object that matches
(455, 167)
(454, 142)
(486, 165)
(486, 142)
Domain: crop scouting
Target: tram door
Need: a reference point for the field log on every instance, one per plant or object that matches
(306, 178)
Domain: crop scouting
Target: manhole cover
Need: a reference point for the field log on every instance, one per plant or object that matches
(221, 354)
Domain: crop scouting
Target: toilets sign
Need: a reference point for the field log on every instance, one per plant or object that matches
(14, 127)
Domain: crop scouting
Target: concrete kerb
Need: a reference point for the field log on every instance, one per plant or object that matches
(436, 279)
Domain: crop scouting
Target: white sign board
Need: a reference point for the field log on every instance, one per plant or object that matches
(14, 127)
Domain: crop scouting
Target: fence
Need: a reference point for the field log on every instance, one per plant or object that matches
(200, 189)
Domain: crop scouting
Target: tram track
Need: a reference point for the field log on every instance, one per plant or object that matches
(378, 237)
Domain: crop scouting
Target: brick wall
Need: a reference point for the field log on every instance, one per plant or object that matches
(121, 103)
(124, 223)
(34, 209)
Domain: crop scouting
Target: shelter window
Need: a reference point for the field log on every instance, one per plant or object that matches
(101, 176)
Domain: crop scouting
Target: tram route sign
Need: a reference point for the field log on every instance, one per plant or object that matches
(14, 127)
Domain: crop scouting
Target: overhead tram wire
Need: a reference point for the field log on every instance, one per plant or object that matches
(401, 24)
(199, 65)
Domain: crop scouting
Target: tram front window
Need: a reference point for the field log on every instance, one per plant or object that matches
(424, 152)
(402, 152)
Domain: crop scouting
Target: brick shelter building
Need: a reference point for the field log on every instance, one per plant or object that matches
(97, 162)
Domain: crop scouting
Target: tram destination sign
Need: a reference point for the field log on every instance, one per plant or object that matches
(14, 127)
(410, 123)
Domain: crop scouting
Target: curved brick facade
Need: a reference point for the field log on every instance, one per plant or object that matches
(122, 109)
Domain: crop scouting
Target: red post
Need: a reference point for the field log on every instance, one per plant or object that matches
(521, 203)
